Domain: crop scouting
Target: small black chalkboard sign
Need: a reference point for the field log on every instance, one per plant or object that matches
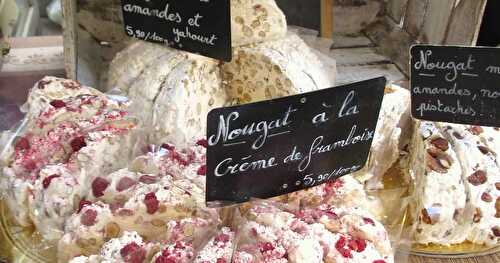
(197, 26)
(456, 84)
(274, 147)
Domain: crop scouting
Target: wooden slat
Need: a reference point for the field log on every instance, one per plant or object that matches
(357, 57)
(344, 41)
(466, 22)
(391, 41)
(414, 17)
(396, 9)
(436, 21)
(70, 37)
(347, 75)
(326, 18)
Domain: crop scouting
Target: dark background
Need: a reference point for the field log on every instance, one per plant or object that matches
(490, 28)
(302, 13)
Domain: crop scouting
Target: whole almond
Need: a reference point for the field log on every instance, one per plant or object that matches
(440, 143)
(477, 178)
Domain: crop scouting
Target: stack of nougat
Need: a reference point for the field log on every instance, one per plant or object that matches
(457, 184)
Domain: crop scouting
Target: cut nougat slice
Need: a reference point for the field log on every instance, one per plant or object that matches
(187, 94)
(390, 136)
(440, 205)
(274, 69)
(254, 21)
(481, 174)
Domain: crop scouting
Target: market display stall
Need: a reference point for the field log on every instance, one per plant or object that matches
(140, 154)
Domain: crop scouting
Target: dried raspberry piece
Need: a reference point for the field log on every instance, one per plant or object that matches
(203, 143)
(441, 144)
(486, 197)
(125, 183)
(264, 247)
(202, 170)
(58, 104)
(133, 253)
(22, 144)
(379, 261)
(83, 203)
(88, 218)
(369, 221)
(99, 185)
(78, 143)
(177, 157)
(357, 244)
(148, 179)
(48, 179)
(222, 238)
(477, 178)
(330, 214)
(167, 146)
(221, 260)
(340, 246)
(179, 245)
(152, 203)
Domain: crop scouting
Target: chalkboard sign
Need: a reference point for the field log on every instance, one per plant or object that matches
(198, 26)
(456, 84)
(270, 148)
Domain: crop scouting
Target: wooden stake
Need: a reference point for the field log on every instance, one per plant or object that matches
(326, 18)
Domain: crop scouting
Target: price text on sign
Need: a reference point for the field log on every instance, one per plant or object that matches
(270, 148)
(456, 84)
(197, 26)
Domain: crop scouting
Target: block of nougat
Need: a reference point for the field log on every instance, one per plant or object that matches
(146, 212)
(353, 221)
(390, 136)
(218, 249)
(254, 21)
(440, 195)
(344, 191)
(481, 175)
(324, 234)
(182, 163)
(274, 69)
(133, 61)
(49, 89)
(54, 197)
(144, 89)
(188, 92)
(81, 132)
(130, 247)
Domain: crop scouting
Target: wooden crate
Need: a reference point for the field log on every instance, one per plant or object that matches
(370, 37)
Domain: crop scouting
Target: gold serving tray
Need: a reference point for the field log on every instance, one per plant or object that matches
(464, 250)
(21, 244)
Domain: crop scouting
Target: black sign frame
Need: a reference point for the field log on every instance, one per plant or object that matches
(178, 23)
(454, 84)
(294, 125)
